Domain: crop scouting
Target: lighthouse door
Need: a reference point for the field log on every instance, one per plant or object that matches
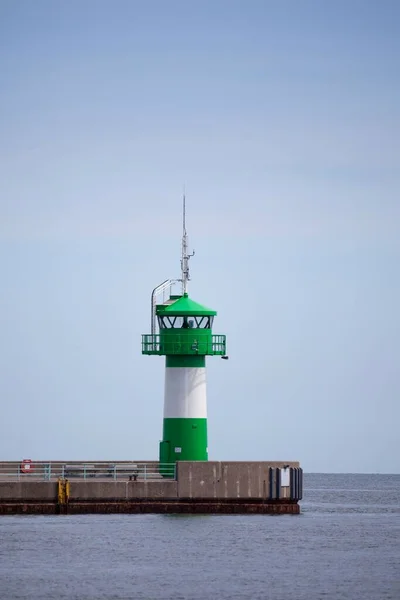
(164, 452)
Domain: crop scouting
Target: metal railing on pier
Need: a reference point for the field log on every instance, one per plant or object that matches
(47, 471)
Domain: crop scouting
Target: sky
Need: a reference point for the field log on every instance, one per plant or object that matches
(281, 119)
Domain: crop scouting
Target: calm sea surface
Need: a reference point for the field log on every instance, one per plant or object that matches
(345, 545)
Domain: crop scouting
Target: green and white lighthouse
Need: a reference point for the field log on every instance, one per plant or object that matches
(181, 330)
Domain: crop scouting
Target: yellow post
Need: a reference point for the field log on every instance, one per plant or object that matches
(67, 490)
(61, 491)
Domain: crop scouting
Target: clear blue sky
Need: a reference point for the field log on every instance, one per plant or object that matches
(282, 120)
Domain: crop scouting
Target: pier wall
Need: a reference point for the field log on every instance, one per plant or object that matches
(229, 479)
(199, 487)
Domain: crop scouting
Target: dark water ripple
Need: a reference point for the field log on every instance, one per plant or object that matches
(344, 546)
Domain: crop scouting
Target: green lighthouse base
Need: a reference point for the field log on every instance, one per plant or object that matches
(190, 441)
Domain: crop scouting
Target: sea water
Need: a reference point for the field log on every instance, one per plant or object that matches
(345, 545)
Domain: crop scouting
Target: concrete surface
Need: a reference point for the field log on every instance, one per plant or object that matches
(203, 486)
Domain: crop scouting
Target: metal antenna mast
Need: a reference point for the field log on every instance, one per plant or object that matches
(185, 256)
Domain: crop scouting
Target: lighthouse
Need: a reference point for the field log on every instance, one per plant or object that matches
(181, 330)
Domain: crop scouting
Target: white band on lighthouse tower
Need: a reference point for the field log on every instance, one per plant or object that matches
(185, 395)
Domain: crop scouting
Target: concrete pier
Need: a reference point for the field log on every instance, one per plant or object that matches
(198, 487)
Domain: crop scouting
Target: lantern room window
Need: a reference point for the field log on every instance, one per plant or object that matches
(186, 322)
(204, 322)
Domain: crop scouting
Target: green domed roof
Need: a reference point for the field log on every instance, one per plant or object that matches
(185, 306)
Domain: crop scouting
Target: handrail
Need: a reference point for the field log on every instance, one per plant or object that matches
(116, 470)
(157, 290)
